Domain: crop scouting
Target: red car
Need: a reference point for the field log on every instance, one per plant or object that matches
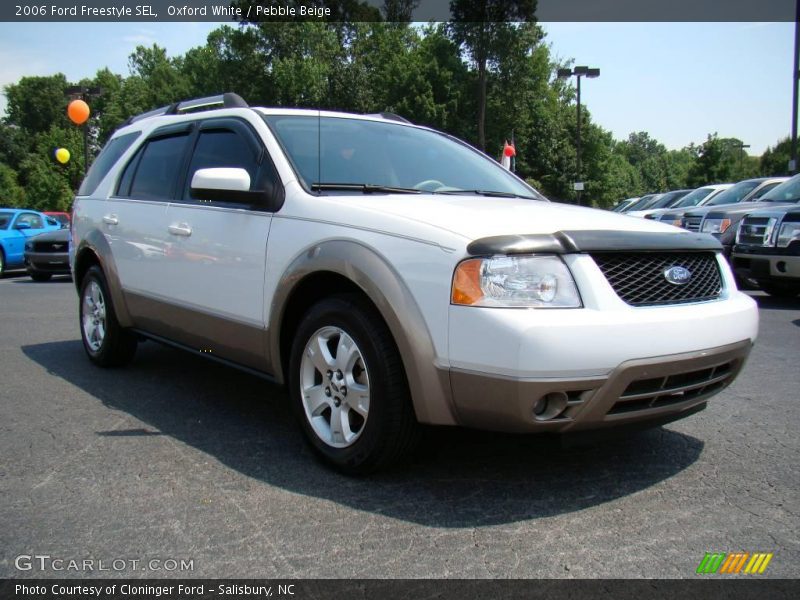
(61, 217)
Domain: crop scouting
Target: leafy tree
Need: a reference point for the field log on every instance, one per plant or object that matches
(720, 160)
(399, 11)
(45, 188)
(484, 30)
(14, 145)
(36, 103)
(775, 160)
(11, 194)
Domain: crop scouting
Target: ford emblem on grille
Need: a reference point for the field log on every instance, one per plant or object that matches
(678, 275)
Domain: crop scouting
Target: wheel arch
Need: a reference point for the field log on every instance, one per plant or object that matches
(94, 249)
(345, 266)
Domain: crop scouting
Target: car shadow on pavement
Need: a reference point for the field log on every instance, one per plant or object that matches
(461, 479)
(776, 303)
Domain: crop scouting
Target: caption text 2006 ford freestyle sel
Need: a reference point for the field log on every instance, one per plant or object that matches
(391, 275)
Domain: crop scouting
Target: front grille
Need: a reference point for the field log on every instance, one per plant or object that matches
(692, 223)
(51, 247)
(754, 231)
(640, 279)
(658, 392)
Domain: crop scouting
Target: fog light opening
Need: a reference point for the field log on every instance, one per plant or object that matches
(550, 406)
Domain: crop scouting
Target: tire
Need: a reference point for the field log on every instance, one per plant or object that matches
(106, 343)
(357, 376)
(40, 276)
(2, 263)
(779, 291)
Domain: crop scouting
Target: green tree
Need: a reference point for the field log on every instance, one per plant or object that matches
(11, 194)
(485, 30)
(36, 103)
(720, 160)
(775, 160)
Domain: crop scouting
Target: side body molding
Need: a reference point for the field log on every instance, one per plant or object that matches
(96, 243)
(429, 385)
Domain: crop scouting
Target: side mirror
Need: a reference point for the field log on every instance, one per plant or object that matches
(22, 226)
(222, 179)
(225, 184)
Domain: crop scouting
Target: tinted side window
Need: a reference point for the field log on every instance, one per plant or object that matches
(105, 160)
(222, 148)
(124, 185)
(158, 168)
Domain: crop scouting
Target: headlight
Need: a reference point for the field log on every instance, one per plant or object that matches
(788, 233)
(716, 225)
(515, 281)
(29, 246)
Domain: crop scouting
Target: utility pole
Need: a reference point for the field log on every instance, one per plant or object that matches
(795, 81)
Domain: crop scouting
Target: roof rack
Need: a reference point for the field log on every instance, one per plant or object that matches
(227, 100)
(389, 116)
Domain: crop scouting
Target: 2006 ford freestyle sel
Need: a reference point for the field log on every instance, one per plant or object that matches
(392, 275)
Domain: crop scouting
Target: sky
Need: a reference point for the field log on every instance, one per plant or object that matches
(677, 81)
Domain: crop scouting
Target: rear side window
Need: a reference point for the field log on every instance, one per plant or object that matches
(105, 160)
(158, 168)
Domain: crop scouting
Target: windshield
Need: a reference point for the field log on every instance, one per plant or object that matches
(640, 203)
(788, 191)
(734, 194)
(693, 198)
(5, 219)
(336, 154)
(667, 200)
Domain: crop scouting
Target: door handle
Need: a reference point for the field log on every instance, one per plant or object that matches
(111, 220)
(180, 229)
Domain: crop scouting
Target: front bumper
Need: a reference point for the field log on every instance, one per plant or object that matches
(653, 389)
(766, 267)
(56, 263)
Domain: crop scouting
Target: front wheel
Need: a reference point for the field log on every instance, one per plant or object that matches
(349, 389)
(106, 343)
(40, 276)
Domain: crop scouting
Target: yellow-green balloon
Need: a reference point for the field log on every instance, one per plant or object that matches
(62, 155)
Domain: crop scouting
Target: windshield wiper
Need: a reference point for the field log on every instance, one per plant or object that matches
(489, 193)
(366, 188)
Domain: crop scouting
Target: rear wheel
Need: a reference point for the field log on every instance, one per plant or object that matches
(348, 387)
(40, 276)
(106, 343)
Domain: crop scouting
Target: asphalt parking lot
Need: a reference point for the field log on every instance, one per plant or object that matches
(176, 458)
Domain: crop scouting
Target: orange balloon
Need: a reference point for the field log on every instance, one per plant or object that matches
(78, 112)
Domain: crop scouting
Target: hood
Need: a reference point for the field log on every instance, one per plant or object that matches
(57, 235)
(778, 210)
(474, 217)
(743, 208)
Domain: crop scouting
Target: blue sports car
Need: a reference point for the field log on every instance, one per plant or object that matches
(16, 226)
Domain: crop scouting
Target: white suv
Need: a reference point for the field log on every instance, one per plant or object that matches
(392, 275)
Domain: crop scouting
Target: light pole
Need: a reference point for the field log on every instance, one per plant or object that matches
(84, 93)
(579, 72)
(795, 81)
